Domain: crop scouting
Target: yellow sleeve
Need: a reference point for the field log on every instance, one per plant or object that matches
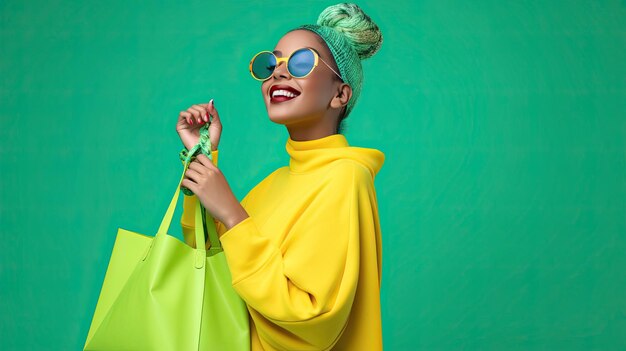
(300, 294)
(187, 220)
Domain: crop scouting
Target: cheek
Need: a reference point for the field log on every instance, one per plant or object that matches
(317, 92)
(264, 88)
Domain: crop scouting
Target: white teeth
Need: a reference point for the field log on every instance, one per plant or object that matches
(283, 93)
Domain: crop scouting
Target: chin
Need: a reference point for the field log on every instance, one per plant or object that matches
(282, 112)
(289, 112)
(281, 117)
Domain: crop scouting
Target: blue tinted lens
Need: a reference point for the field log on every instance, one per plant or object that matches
(301, 62)
(263, 65)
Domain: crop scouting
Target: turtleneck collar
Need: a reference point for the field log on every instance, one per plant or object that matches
(308, 155)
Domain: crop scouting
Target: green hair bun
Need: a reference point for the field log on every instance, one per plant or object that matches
(349, 19)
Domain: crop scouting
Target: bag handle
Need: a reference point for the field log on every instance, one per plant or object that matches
(216, 244)
(167, 220)
(204, 145)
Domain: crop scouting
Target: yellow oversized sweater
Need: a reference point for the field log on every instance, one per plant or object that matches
(307, 261)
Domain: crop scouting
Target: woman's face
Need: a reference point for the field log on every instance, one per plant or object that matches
(320, 96)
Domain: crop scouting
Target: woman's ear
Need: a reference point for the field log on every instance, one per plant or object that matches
(344, 93)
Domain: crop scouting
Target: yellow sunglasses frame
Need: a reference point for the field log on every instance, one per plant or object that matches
(286, 60)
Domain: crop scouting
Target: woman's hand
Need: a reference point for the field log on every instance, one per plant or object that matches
(191, 120)
(210, 186)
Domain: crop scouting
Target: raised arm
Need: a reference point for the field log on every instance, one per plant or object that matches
(300, 294)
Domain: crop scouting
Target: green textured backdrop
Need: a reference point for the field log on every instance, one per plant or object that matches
(502, 198)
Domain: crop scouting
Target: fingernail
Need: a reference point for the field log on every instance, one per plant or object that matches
(212, 103)
(206, 119)
(192, 121)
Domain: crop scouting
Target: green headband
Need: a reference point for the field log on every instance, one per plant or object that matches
(345, 56)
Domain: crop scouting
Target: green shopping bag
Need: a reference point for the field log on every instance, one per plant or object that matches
(161, 294)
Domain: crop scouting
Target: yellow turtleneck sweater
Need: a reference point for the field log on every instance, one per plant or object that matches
(307, 260)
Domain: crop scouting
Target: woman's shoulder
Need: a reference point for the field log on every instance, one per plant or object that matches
(351, 169)
(345, 174)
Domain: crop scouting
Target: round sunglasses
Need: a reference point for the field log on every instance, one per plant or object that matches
(299, 64)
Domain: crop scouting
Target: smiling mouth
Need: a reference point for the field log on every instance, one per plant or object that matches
(282, 98)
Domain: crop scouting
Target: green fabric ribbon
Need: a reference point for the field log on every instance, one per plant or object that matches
(203, 146)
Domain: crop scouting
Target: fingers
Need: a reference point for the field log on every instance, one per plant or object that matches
(201, 163)
(192, 174)
(187, 116)
(199, 113)
(213, 111)
(189, 185)
(205, 161)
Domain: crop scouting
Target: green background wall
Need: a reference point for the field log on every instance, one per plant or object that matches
(502, 198)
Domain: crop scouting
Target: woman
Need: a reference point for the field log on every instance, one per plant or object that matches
(304, 245)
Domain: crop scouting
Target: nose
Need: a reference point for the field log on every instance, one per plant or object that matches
(281, 70)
